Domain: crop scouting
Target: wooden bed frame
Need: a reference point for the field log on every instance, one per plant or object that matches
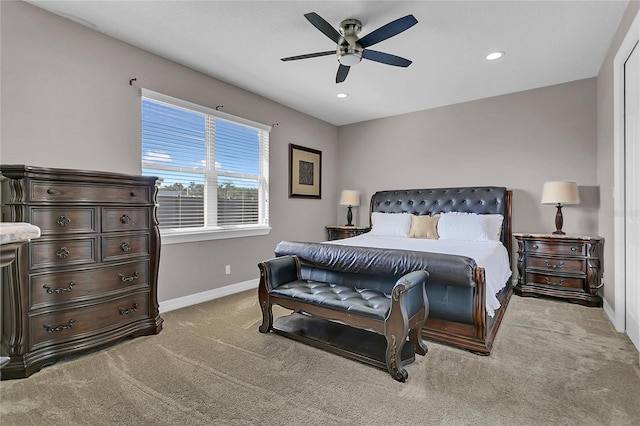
(479, 336)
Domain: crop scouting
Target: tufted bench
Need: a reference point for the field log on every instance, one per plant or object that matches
(395, 308)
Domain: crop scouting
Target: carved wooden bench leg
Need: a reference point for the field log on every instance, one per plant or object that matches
(395, 344)
(265, 303)
(267, 317)
(396, 330)
(415, 336)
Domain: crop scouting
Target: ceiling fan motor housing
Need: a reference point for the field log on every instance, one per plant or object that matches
(349, 50)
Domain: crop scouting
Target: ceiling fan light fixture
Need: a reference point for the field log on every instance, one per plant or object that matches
(494, 55)
(349, 59)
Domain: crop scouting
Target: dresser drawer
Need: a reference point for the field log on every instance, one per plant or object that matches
(95, 319)
(124, 246)
(64, 220)
(125, 219)
(62, 252)
(79, 193)
(566, 265)
(556, 282)
(574, 249)
(73, 286)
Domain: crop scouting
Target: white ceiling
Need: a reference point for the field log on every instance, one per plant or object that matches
(241, 42)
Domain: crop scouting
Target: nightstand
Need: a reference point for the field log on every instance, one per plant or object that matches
(568, 267)
(340, 232)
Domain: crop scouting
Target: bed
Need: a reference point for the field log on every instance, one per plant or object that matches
(475, 223)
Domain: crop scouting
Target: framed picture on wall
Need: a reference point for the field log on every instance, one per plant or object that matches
(305, 172)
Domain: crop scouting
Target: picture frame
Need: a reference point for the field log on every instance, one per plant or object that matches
(305, 172)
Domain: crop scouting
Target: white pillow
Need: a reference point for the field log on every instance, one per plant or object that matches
(469, 226)
(391, 224)
(495, 224)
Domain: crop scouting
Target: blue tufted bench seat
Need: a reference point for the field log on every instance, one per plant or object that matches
(395, 308)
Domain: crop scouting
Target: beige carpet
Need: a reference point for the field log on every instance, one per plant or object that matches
(553, 363)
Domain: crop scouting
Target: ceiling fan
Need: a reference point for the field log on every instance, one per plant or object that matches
(351, 49)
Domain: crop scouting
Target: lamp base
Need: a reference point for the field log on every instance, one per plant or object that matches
(349, 217)
(559, 221)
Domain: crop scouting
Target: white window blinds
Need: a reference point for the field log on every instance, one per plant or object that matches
(214, 167)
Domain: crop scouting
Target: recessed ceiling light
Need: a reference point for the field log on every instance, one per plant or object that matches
(495, 55)
(342, 95)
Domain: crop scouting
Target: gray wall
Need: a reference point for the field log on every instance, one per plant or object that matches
(66, 102)
(606, 148)
(518, 140)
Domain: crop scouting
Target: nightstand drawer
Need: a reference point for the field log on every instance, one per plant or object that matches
(555, 281)
(566, 265)
(340, 232)
(575, 249)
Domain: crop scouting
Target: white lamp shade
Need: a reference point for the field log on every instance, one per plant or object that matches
(560, 192)
(350, 198)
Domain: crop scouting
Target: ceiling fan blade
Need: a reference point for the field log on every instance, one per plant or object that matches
(324, 27)
(309, 55)
(385, 58)
(343, 71)
(388, 31)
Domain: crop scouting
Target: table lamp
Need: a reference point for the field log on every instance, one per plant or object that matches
(560, 193)
(350, 198)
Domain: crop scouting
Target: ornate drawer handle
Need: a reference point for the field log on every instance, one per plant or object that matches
(129, 278)
(596, 287)
(51, 329)
(535, 247)
(132, 194)
(59, 290)
(574, 249)
(63, 221)
(51, 191)
(131, 310)
(125, 219)
(125, 247)
(561, 282)
(62, 253)
(552, 266)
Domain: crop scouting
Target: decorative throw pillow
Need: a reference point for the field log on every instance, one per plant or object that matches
(424, 226)
(468, 227)
(390, 224)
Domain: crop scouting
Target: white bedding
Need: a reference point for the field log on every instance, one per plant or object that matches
(491, 255)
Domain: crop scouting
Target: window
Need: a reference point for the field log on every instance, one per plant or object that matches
(213, 169)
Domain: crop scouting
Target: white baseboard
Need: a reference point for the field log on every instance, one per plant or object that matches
(611, 314)
(205, 296)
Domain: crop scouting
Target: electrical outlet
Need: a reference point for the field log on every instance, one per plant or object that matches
(227, 269)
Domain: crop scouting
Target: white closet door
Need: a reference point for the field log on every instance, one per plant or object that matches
(632, 194)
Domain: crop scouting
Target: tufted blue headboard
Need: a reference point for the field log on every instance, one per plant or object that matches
(473, 199)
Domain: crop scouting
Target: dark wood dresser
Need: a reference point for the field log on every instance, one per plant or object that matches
(563, 266)
(91, 278)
